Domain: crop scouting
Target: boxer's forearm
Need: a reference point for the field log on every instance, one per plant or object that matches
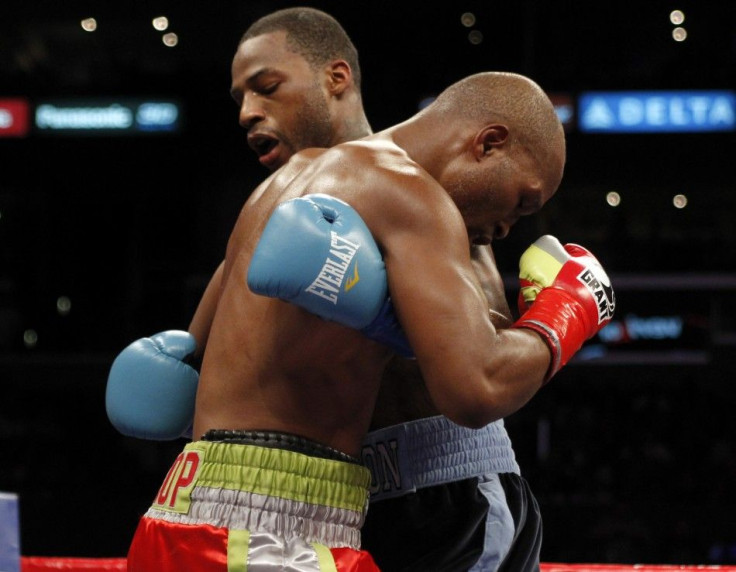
(484, 264)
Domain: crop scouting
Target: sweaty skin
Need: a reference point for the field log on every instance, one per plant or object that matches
(270, 365)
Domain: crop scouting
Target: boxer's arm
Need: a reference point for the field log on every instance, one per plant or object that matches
(484, 264)
(152, 384)
(474, 372)
(201, 322)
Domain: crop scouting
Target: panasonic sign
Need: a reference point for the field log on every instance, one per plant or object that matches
(657, 111)
(107, 117)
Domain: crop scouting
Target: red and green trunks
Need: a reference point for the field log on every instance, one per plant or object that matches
(232, 507)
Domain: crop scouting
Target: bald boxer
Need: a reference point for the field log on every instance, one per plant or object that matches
(285, 397)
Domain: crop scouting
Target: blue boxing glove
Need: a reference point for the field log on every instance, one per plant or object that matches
(317, 253)
(151, 390)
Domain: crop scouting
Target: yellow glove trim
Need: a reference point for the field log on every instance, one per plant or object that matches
(540, 266)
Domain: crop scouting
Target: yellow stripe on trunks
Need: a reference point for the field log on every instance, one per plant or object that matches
(281, 473)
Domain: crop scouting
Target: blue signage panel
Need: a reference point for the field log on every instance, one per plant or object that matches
(107, 116)
(657, 111)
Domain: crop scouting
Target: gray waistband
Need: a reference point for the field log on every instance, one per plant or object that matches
(427, 452)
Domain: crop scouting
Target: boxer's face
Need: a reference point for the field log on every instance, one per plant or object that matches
(511, 184)
(282, 100)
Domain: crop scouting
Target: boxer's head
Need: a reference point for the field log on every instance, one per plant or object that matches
(512, 156)
(296, 80)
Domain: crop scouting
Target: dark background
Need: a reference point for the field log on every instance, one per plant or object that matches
(631, 452)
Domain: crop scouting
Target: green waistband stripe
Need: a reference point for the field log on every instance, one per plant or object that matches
(283, 474)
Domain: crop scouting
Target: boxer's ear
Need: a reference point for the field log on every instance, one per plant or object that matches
(489, 139)
(339, 77)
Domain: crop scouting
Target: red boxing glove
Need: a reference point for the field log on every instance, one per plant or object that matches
(565, 296)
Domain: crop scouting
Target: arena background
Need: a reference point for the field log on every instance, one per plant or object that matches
(631, 450)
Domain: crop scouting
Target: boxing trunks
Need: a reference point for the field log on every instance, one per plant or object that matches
(256, 501)
(446, 498)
